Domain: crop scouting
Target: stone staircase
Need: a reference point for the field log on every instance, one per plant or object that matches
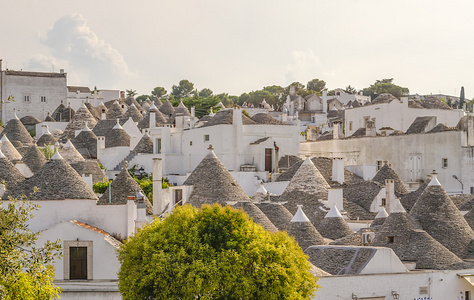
(127, 159)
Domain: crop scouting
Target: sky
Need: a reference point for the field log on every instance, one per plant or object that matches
(241, 46)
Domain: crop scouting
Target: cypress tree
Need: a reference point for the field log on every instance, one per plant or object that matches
(461, 98)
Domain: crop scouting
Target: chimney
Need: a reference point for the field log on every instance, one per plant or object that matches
(1, 68)
(389, 194)
(158, 206)
(122, 94)
(103, 116)
(335, 197)
(152, 119)
(335, 130)
(193, 111)
(292, 90)
(100, 145)
(140, 221)
(338, 170)
(325, 101)
(370, 128)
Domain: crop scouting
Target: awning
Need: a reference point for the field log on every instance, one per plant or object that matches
(469, 277)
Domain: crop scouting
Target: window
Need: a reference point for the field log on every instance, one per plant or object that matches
(158, 146)
(27, 98)
(384, 201)
(190, 143)
(444, 163)
(206, 138)
(77, 260)
(467, 295)
(472, 189)
(390, 239)
(350, 126)
(43, 98)
(379, 165)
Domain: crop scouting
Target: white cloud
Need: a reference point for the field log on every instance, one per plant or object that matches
(303, 67)
(84, 54)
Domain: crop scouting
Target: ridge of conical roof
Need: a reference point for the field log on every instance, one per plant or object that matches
(122, 186)
(70, 153)
(145, 145)
(57, 113)
(46, 139)
(439, 217)
(134, 113)
(277, 213)
(157, 102)
(89, 167)
(146, 105)
(303, 231)
(213, 183)
(1, 154)
(80, 119)
(49, 118)
(132, 101)
(167, 109)
(334, 228)
(34, 158)
(56, 180)
(9, 150)
(182, 109)
(86, 143)
(92, 110)
(333, 213)
(115, 111)
(408, 200)
(256, 215)
(9, 173)
(386, 172)
(117, 137)
(16, 131)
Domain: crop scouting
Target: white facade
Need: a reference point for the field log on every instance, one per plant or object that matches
(346, 98)
(412, 156)
(35, 94)
(396, 115)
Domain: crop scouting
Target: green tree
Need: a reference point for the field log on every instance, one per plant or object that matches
(159, 92)
(131, 93)
(142, 98)
(212, 253)
(205, 93)
(26, 272)
(462, 99)
(350, 90)
(245, 97)
(316, 85)
(183, 89)
(385, 86)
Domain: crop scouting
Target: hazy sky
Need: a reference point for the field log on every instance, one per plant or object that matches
(240, 46)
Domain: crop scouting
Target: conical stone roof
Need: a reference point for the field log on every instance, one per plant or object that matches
(134, 113)
(117, 137)
(306, 188)
(46, 139)
(157, 102)
(69, 153)
(81, 118)
(380, 218)
(145, 145)
(9, 150)
(277, 213)
(9, 173)
(89, 167)
(256, 215)
(131, 101)
(86, 143)
(167, 109)
(145, 122)
(388, 173)
(16, 131)
(403, 235)
(146, 105)
(408, 200)
(93, 110)
(213, 183)
(34, 158)
(333, 226)
(56, 180)
(181, 109)
(67, 114)
(301, 228)
(49, 119)
(115, 111)
(123, 186)
(438, 216)
(58, 113)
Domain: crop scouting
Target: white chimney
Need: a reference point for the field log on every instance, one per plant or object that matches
(335, 130)
(338, 169)
(390, 197)
(103, 116)
(140, 221)
(193, 111)
(335, 197)
(325, 101)
(152, 119)
(158, 206)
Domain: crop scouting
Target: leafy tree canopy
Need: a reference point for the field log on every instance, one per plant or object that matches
(26, 272)
(142, 98)
(159, 92)
(350, 90)
(316, 85)
(131, 93)
(205, 93)
(212, 253)
(183, 89)
(385, 86)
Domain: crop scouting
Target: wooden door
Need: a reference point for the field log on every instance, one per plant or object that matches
(268, 159)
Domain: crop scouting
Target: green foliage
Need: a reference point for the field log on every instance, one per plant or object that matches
(26, 272)
(101, 186)
(202, 105)
(350, 90)
(385, 86)
(131, 93)
(245, 113)
(183, 89)
(316, 86)
(159, 92)
(205, 93)
(10, 98)
(212, 253)
(142, 98)
(48, 151)
(462, 98)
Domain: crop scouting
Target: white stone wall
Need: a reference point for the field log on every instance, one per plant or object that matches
(398, 150)
(53, 88)
(396, 115)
